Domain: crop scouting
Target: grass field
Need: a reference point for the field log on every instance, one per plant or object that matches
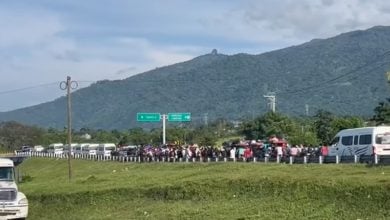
(112, 190)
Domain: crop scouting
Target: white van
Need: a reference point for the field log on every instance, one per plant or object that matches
(365, 141)
(106, 149)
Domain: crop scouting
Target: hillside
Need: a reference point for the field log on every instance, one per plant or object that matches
(344, 74)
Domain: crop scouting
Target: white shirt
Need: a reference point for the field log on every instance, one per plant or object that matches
(233, 153)
(279, 150)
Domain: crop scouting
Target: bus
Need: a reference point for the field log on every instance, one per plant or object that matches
(366, 141)
(66, 148)
(106, 149)
(56, 148)
(92, 149)
(81, 148)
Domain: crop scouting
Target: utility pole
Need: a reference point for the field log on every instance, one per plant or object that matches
(68, 85)
(272, 101)
(206, 119)
(307, 109)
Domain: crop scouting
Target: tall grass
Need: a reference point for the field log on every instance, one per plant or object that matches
(110, 190)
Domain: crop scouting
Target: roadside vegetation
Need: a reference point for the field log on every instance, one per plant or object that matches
(112, 190)
(315, 130)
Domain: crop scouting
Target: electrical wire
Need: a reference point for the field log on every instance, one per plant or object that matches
(39, 86)
(29, 87)
(351, 72)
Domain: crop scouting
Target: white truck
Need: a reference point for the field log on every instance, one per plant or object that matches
(13, 204)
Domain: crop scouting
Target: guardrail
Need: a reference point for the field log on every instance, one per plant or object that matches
(376, 159)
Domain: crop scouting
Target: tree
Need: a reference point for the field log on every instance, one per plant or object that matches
(14, 135)
(222, 127)
(176, 135)
(138, 136)
(250, 130)
(341, 123)
(303, 132)
(123, 141)
(269, 124)
(382, 113)
(105, 137)
(204, 136)
(303, 137)
(323, 126)
(53, 136)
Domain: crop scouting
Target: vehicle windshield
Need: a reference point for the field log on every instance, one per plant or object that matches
(383, 138)
(6, 174)
(335, 141)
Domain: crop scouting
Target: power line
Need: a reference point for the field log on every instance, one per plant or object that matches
(29, 87)
(319, 85)
(37, 86)
(326, 85)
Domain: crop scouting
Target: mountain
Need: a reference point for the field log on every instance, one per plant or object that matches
(344, 74)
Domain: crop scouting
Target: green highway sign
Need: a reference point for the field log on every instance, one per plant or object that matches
(148, 117)
(179, 117)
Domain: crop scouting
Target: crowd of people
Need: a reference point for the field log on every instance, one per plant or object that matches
(247, 150)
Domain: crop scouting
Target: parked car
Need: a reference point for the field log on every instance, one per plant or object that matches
(38, 148)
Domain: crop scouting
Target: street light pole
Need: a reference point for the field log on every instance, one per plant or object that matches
(164, 117)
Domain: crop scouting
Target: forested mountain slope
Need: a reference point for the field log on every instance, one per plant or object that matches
(344, 74)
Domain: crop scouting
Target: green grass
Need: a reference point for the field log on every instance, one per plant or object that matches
(112, 190)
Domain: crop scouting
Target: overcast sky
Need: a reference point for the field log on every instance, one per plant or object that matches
(43, 41)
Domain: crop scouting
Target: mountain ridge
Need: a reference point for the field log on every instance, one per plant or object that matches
(344, 74)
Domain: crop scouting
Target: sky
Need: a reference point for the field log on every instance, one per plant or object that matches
(44, 41)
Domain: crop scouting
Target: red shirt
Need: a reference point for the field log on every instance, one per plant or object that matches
(247, 153)
(324, 150)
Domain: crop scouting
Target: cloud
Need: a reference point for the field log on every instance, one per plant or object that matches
(327, 2)
(288, 22)
(44, 41)
(37, 49)
(70, 55)
(150, 54)
(25, 28)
